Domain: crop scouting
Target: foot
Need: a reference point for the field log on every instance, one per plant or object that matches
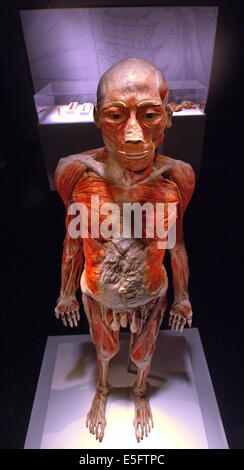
(143, 421)
(95, 420)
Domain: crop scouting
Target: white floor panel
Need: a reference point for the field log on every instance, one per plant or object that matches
(182, 400)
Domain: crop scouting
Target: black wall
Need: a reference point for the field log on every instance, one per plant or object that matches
(32, 227)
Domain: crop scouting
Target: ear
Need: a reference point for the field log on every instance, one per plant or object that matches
(164, 94)
(96, 115)
(169, 116)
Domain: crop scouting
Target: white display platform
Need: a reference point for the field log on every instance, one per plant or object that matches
(181, 395)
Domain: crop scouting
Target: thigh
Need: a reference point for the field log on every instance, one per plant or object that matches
(105, 339)
(144, 342)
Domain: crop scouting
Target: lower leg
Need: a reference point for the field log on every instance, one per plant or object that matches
(96, 420)
(106, 342)
(139, 387)
(141, 354)
(143, 420)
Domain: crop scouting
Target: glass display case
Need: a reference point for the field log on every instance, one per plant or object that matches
(72, 101)
(69, 50)
(65, 102)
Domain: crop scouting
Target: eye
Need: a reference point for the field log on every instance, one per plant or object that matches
(150, 115)
(116, 116)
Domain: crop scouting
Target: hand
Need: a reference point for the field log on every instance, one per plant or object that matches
(68, 310)
(180, 314)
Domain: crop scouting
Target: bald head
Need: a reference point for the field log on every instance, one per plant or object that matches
(131, 75)
(131, 112)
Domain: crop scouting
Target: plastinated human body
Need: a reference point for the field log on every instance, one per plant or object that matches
(123, 280)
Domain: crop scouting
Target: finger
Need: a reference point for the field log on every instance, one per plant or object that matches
(183, 324)
(74, 319)
(189, 318)
(137, 431)
(189, 322)
(142, 431)
(92, 420)
(69, 318)
(70, 322)
(178, 322)
(142, 424)
(63, 319)
(91, 426)
(150, 416)
(78, 314)
(146, 427)
(170, 318)
(149, 426)
(97, 430)
(102, 426)
(174, 322)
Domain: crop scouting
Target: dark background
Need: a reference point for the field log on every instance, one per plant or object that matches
(32, 227)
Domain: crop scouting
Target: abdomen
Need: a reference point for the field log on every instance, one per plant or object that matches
(129, 274)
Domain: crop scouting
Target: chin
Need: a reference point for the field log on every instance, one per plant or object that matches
(135, 165)
(130, 163)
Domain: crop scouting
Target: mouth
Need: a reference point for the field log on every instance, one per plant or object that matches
(133, 156)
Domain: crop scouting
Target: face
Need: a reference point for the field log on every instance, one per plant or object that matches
(132, 118)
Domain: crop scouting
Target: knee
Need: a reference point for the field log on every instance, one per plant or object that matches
(105, 341)
(107, 352)
(139, 361)
(141, 354)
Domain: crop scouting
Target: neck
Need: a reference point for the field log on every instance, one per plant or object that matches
(118, 173)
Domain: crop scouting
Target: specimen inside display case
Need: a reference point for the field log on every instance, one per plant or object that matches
(64, 102)
(123, 279)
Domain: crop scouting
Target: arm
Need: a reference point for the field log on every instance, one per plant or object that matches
(72, 264)
(181, 311)
(68, 173)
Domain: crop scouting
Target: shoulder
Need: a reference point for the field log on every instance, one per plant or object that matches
(181, 173)
(70, 170)
(80, 160)
(176, 170)
(180, 169)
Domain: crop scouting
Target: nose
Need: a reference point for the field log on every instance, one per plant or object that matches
(133, 131)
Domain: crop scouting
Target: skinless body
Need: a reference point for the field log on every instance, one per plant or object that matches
(123, 280)
(119, 274)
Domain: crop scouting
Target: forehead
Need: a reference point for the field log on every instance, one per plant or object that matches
(131, 88)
